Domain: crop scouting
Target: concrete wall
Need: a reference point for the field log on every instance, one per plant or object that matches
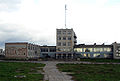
(22, 51)
(116, 50)
(16, 50)
(33, 51)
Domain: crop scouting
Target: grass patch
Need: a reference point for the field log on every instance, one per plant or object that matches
(9, 69)
(92, 72)
(102, 60)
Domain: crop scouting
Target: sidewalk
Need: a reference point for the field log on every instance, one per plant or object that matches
(53, 74)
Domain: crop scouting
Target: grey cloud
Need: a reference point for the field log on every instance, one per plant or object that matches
(12, 33)
(9, 5)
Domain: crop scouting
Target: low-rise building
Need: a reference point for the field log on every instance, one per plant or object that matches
(116, 50)
(93, 51)
(47, 51)
(21, 50)
(1, 52)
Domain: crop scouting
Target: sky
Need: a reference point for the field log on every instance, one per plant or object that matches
(36, 21)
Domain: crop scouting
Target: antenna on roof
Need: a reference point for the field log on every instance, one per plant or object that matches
(65, 14)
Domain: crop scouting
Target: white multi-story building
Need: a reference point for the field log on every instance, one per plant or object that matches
(65, 41)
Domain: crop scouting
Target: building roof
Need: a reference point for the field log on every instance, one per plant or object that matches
(48, 46)
(16, 43)
(91, 46)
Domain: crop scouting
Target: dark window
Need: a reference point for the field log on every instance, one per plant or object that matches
(35, 52)
(69, 32)
(87, 50)
(64, 43)
(64, 32)
(59, 38)
(64, 38)
(69, 38)
(44, 49)
(58, 32)
(59, 43)
(69, 43)
(52, 49)
(29, 47)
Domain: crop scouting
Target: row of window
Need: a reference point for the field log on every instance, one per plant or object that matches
(64, 44)
(64, 38)
(92, 50)
(30, 47)
(46, 50)
(97, 55)
(63, 32)
(64, 49)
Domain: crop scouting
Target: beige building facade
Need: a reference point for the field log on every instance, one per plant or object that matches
(65, 41)
(21, 50)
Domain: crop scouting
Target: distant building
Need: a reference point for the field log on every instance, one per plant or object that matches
(66, 48)
(116, 50)
(21, 50)
(65, 41)
(47, 51)
(1, 52)
(93, 51)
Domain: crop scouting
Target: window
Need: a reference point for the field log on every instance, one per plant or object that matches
(59, 49)
(59, 38)
(64, 38)
(75, 49)
(96, 55)
(44, 49)
(118, 48)
(84, 49)
(87, 50)
(69, 38)
(78, 49)
(98, 49)
(64, 43)
(90, 49)
(52, 49)
(31, 47)
(58, 32)
(69, 43)
(59, 43)
(64, 32)
(117, 55)
(69, 32)
(107, 49)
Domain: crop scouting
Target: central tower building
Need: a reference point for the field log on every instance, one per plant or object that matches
(65, 41)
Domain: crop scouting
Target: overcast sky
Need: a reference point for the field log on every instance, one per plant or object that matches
(36, 21)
